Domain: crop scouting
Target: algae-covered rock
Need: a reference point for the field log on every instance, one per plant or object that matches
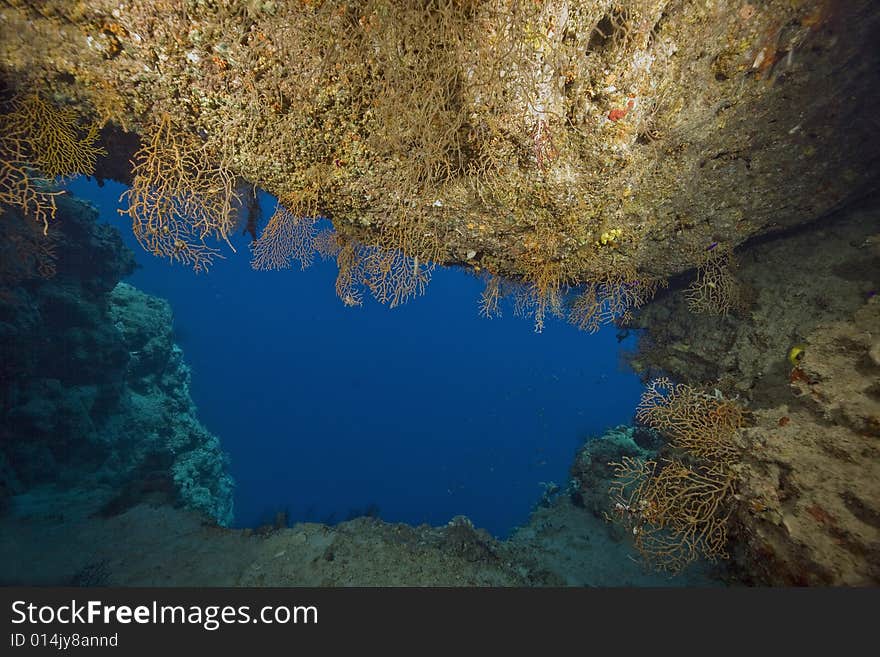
(562, 142)
(592, 471)
(806, 502)
(160, 404)
(810, 511)
(95, 391)
(145, 325)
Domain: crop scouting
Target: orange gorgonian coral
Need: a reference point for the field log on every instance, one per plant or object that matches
(38, 142)
(611, 300)
(393, 277)
(701, 423)
(490, 299)
(180, 197)
(350, 274)
(676, 509)
(715, 290)
(54, 137)
(285, 238)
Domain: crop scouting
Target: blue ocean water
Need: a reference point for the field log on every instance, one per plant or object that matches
(422, 412)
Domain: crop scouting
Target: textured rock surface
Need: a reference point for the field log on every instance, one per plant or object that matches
(156, 545)
(159, 409)
(807, 492)
(610, 139)
(591, 472)
(94, 390)
(817, 275)
(810, 511)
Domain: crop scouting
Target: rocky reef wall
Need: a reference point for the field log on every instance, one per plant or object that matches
(800, 351)
(94, 391)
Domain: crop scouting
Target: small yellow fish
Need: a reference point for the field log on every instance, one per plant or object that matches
(796, 354)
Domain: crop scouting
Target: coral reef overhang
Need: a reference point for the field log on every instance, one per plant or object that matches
(557, 142)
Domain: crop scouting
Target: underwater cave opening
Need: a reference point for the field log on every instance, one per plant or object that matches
(416, 414)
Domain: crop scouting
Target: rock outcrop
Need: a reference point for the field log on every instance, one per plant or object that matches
(94, 391)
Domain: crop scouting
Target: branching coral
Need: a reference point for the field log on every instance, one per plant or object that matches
(429, 102)
(350, 274)
(390, 276)
(676, 509)
(715, 290)
(490, 299)
(675, 512)
(611, 300)
(441, 127)
(394, 278)
(328, 244)
(24, 188)
(530, 302)
(180, 197)
(546, 282)
(695, 421)
(38, 142)
(286, 237)
(54, 137)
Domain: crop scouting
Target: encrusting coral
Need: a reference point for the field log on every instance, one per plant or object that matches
(544, 143)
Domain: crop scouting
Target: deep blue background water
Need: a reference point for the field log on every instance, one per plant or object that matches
(426, 411)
